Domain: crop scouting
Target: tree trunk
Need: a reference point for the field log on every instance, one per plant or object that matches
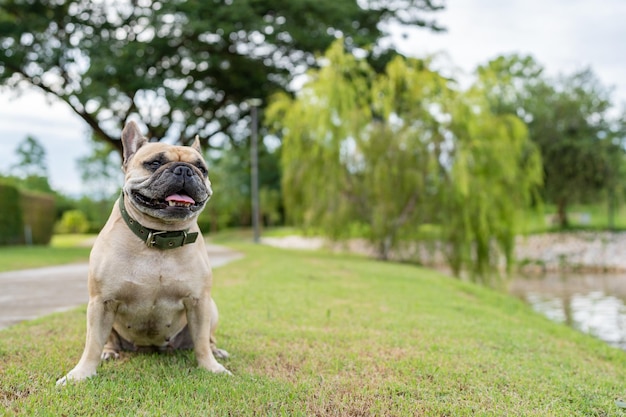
(562, 213)
(612, 208)
(384, 248)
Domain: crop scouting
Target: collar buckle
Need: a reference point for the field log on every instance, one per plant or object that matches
(151, 239)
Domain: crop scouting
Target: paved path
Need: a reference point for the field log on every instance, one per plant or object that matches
(31, 293)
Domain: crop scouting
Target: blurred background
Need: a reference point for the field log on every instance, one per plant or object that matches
(440, 133)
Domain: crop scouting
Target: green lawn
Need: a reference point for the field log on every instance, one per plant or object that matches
(581, 217)
(62, 250)
(317, 334)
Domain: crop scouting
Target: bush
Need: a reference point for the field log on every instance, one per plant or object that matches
(73, 221)
(25, 213)
(38, 214)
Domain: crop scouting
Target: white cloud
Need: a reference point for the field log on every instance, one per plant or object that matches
(563, 35)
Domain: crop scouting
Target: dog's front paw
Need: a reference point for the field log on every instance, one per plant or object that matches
(221, 370)
(217, 368)
(74, 376)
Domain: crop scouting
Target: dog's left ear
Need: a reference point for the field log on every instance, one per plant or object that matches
(196, 144)
(132, 140)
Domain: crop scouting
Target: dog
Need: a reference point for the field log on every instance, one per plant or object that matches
(149, 272)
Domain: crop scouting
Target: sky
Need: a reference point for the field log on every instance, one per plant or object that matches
(563, 35)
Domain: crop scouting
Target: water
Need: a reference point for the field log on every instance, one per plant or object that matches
(591, 303)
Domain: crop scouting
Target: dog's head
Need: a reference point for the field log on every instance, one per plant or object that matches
(169, 183)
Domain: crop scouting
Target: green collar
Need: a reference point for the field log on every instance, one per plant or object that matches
(157, 238)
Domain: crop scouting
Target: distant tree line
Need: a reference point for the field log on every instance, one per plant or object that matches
(573, 121)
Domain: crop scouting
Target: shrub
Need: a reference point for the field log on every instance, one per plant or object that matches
(38, 215)
(11, 225)
(73, 221)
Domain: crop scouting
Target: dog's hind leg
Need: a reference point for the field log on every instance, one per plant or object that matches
(112, 347)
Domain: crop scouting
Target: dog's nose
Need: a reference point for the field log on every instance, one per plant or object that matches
(183, 171)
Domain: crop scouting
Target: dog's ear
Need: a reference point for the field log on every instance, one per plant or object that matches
(132, 140)
(196, 144)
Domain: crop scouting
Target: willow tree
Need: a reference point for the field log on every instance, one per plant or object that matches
(494, 174)
(387, 154)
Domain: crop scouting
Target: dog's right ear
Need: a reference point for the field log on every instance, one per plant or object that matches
(132, 140)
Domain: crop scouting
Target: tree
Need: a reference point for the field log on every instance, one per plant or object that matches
(100, 170)
(31, 159)
(31, 169)
(101, 174)
(569, 120)
(182, 67)
(393, 153)
(230, 181)
(575, 134)
(229, 172)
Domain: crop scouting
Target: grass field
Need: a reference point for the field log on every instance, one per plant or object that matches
(62, 250)
(315, 334)
(581, 217)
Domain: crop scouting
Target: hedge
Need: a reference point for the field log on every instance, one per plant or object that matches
(38, 215)
(11, 224)
(24, 210)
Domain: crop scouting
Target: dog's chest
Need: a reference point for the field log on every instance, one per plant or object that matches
(151, 293)
(151, 311)
(150, 322)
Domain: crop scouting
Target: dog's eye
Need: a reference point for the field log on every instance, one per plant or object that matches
(203, 170)
(152, 165)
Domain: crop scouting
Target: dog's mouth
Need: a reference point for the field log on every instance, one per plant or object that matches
(178, 200)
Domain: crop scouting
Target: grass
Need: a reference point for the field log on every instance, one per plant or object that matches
(62, 250)
(72, 240)
(315, 334)
(594, 217)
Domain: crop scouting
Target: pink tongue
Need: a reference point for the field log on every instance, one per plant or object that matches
(180, 198)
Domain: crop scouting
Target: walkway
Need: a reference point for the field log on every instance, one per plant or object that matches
(32, 293)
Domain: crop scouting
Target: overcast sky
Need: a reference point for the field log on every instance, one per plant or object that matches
(563, 35)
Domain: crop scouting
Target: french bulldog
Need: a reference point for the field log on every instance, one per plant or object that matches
(149, 272)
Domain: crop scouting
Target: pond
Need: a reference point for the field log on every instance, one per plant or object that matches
(591, 303)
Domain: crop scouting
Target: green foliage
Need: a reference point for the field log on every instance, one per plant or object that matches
(389, 153)
(494, 176)
(229, 172)
(270, 205)
(584, 217)
(30, 183)
(73, 221)
(100, 171)
(30, 172)
(230, 181)
(569, 119)
(11, 225)
(31, 159)
(27, 217)
(38, 216)
(183, 67)
(97, 211)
